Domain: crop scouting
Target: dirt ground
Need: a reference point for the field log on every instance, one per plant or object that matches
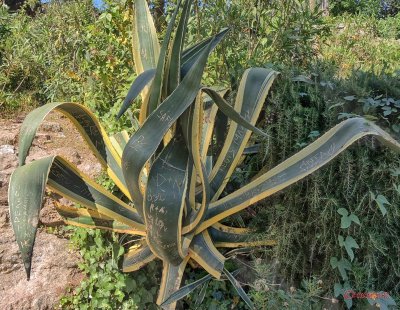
(54, 267)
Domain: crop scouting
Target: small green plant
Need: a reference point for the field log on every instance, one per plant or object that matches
(344, 265)
(173, 171)
(106, 287)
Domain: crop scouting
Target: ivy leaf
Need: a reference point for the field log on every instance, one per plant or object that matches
(345, 222)
(346, 219)
(381, 201)
(314, 134)
(130, 285)
(343, 211)
(341, 290)
(337, 289)
(342, 266)
(349, 244)
(396, 128)
(334, 262)
(354, 218)
(349, 302)
(383, 299)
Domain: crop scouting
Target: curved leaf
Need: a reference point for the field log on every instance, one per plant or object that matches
(191, 55)
(230, 237)
(239, 289)
(173, 69)
(26, 192)
(146, 49)
(158, 83)
(142, 145)
(185, 290)
(231, 113)
(137, 257)
(297, 167)
(250, 99)
(164, 202)
(203, 251)
(170, 282)
(92, 219)
(141, 81)
(89, 128)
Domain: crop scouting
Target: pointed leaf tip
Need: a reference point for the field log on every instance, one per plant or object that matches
(27, 271)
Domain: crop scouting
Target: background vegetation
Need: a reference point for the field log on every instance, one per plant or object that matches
(337, 230)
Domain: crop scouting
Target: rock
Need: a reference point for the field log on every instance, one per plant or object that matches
(51, 127)
(8, 160)
(4, 220)
(49, 215)
(42, 139)
(91, 169)
(3, 194)
(6, 149)
(9, 138)
(75, 158)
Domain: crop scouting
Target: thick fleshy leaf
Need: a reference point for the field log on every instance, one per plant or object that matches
(297, 167)
(138, 85)
(191, 55)
(81, 217)
(239, 289)
(146, 49)
(26, 192)
(191, 122)
(159, 83)
(25, 196)
(185, 290)
(253, 149)
(67, 181)
(230, 237)
(137, 256)
(250, 99)
(170, 282)
(231, 113)
(173, 68)
(164, 202)
(146, 140)
(89, 128)
(203, 251)
(119, 141)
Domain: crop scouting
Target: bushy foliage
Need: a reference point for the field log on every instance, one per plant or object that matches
(261, 32)
(378, 8)
(39, 54)
(309, 218)
(70, 52)
(106, 287)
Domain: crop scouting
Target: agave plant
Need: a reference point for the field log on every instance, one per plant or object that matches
(174, 169)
